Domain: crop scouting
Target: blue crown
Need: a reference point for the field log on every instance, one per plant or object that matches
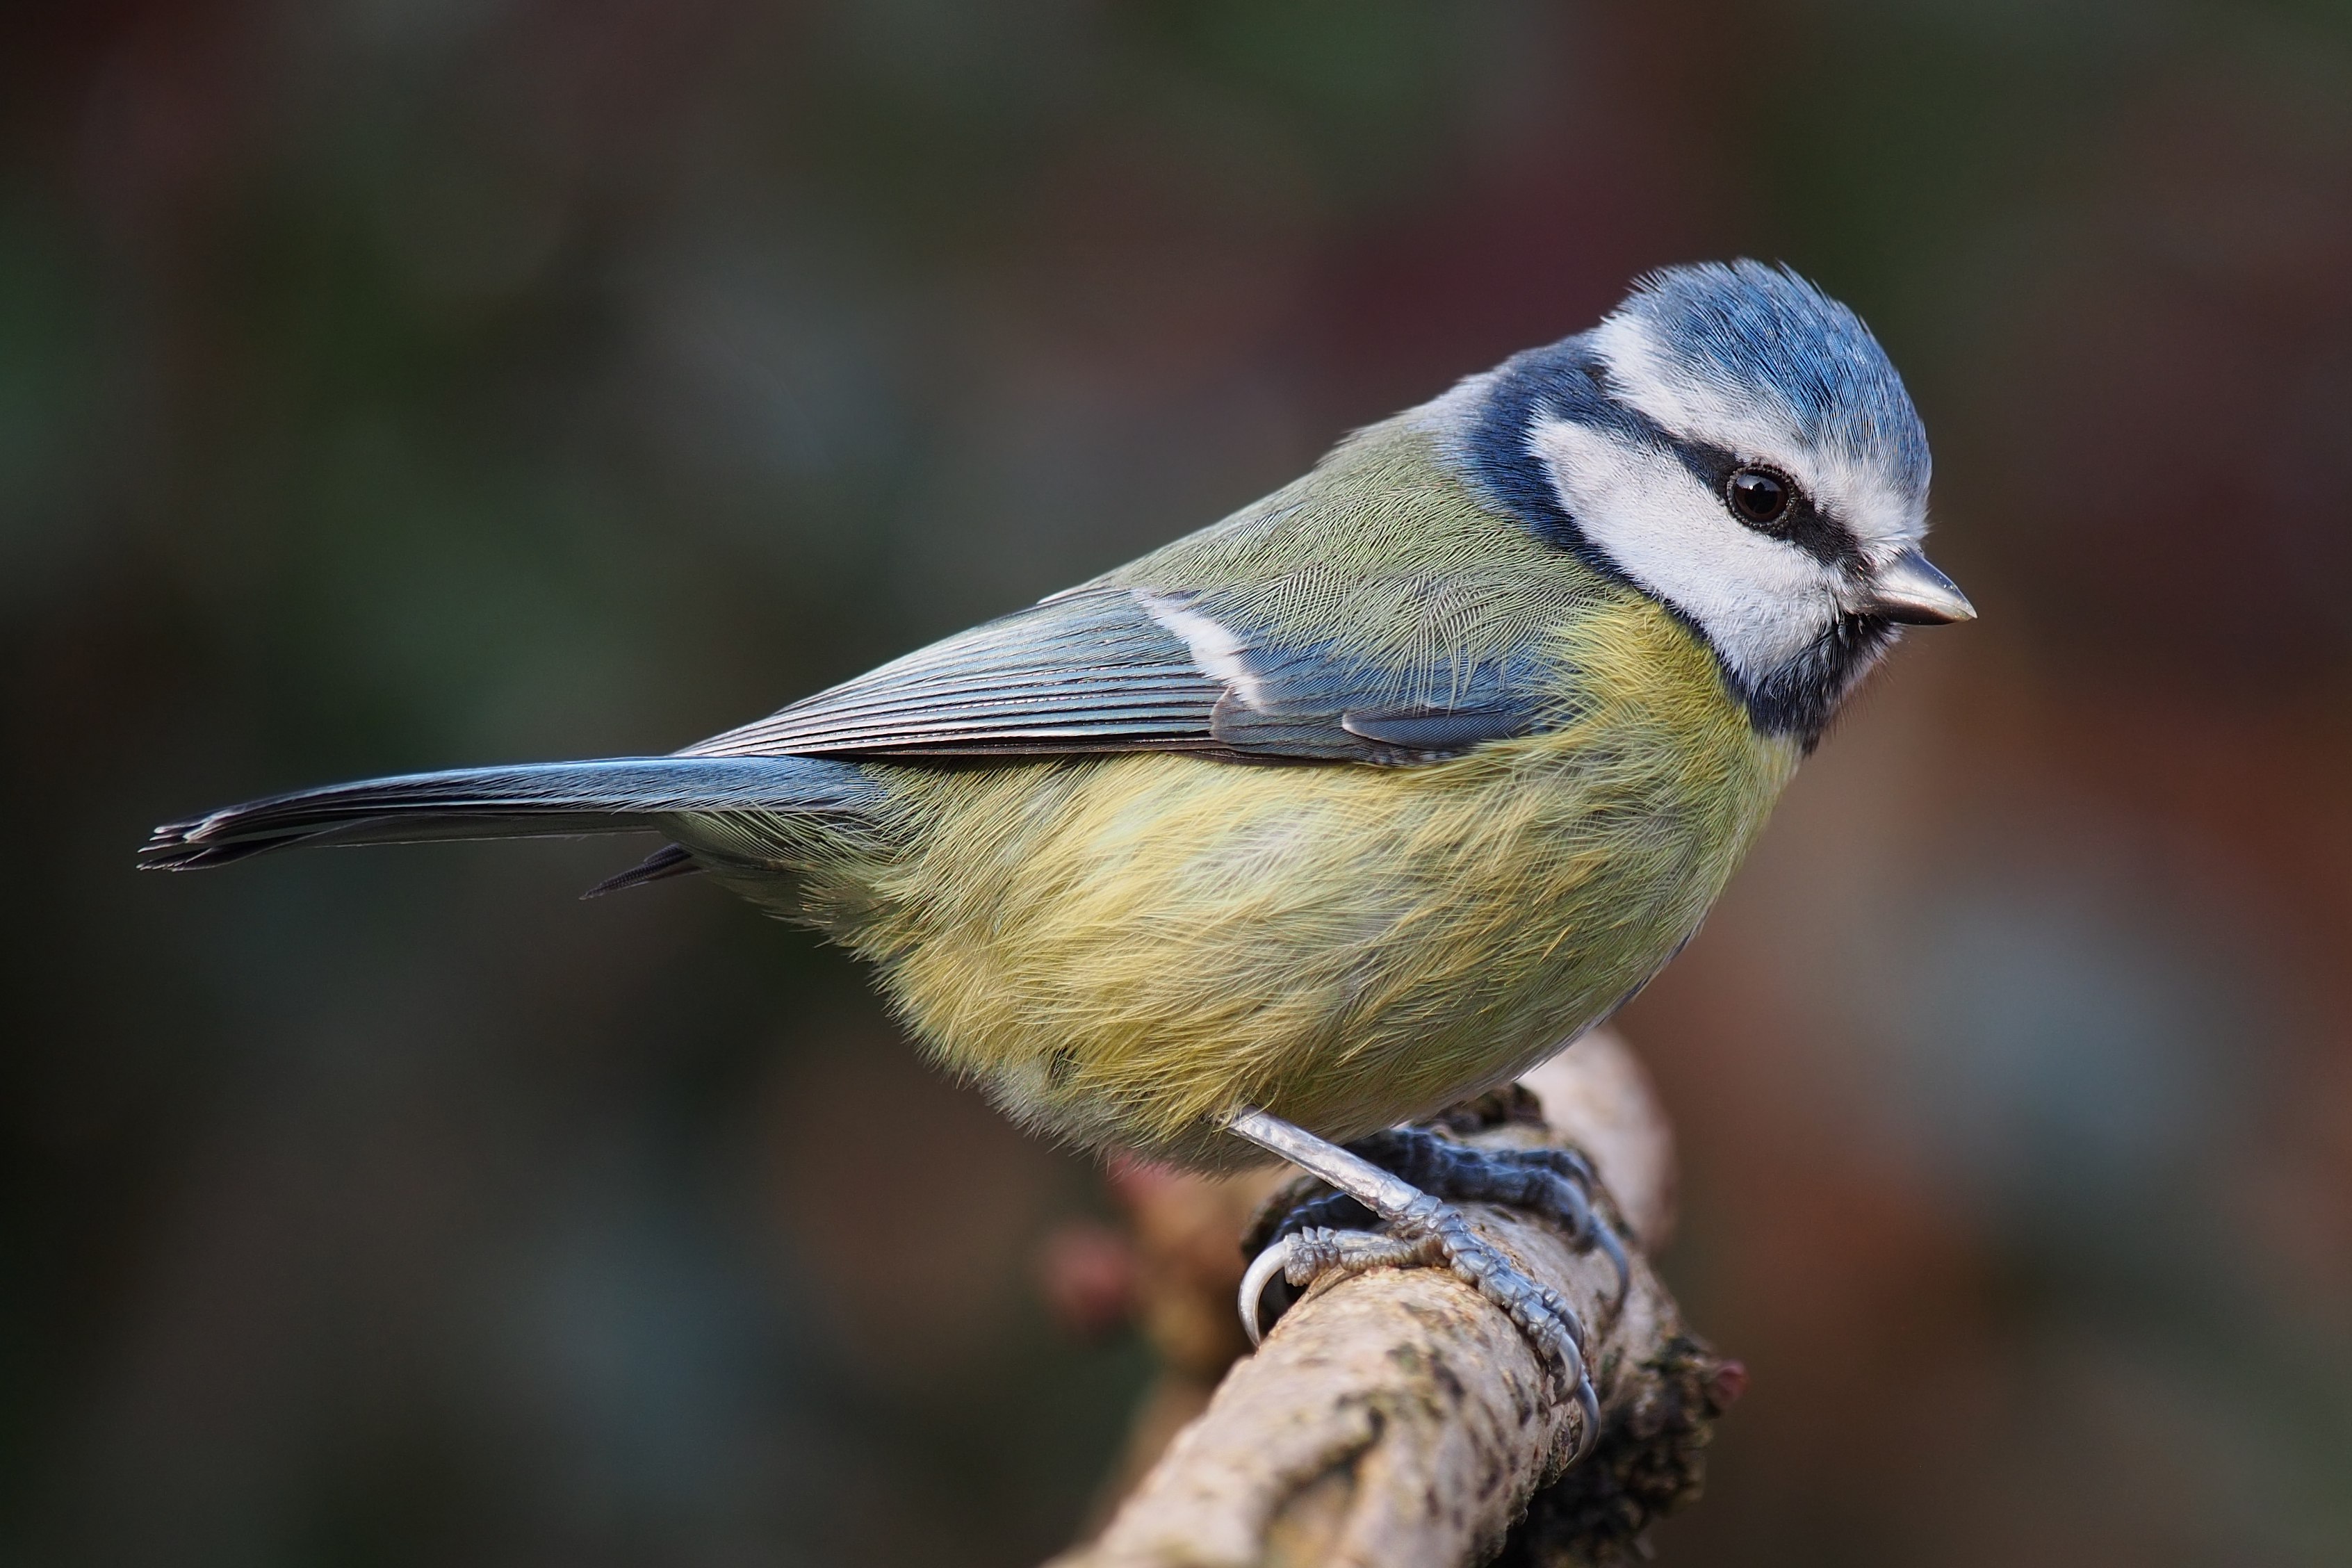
(1749, 329)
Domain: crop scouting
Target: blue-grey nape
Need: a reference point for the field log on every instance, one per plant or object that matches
(1560, 381)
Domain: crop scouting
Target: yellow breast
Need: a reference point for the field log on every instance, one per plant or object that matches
(1124, 948)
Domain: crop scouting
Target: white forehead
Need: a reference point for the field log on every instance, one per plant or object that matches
(1751, 417)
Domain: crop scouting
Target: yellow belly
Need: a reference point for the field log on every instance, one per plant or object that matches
(1123, 950)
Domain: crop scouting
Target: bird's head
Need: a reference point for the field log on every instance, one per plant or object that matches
(1734, 442)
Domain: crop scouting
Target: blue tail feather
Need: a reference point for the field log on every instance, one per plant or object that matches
(612, 795)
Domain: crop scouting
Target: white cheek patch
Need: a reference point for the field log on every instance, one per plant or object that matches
(1756, 427)
(1760, 600)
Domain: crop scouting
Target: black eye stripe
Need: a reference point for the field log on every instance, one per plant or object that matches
(1804, 525)
(1575, 386)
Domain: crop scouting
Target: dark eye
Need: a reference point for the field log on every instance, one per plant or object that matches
(1759, 497)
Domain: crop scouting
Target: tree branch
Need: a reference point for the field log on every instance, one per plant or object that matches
(1396, 1417)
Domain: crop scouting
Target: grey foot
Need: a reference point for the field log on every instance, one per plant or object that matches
(1433, 1233)
(1551, 1183)
(1418, 1228)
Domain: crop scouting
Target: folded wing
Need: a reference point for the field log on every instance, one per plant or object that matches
(1109, 667)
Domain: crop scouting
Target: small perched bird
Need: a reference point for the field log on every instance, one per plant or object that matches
(1355, 804)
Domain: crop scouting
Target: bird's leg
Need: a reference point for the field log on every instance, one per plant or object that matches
(1552, 1184)
(1418, 1227)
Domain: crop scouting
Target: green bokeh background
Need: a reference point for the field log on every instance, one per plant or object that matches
(387, 383)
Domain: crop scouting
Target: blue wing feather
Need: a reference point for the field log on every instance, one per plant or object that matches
(1097, 669)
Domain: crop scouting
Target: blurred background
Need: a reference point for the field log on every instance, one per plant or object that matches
(388, 383)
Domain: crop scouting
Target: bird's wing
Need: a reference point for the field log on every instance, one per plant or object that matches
(1377, 610)
(1120, 669)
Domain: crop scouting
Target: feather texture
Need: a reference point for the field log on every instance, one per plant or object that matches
(1375, 611)
(1124, 948)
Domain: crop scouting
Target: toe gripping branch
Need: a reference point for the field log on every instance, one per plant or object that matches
(1554, 1185)
(1401, 1179)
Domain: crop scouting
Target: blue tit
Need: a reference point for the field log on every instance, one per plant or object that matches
(1346, 807)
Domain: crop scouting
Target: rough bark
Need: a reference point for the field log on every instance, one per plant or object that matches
(1396, 1418)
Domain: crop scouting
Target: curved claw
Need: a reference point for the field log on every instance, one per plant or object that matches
(1573, 1209)
(1564, 1347)
(1588, 1433)
(1273, 1261)
(1590, 1230)
(1302, 1255)
(1605, 1237)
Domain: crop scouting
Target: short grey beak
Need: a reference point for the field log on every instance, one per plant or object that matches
(1909, 589)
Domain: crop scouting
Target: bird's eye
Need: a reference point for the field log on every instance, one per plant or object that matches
(1758, 496)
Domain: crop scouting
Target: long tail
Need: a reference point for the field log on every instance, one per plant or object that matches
(615, 795)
